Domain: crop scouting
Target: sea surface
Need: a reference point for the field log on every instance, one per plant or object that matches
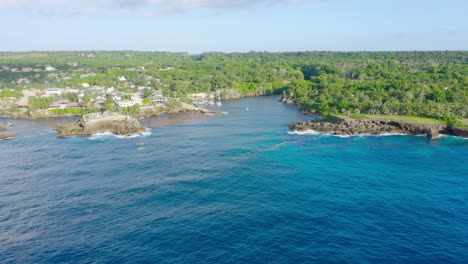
(234, 188)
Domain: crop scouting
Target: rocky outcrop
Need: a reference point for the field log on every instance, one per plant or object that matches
(184, 107)
(6, 135)
(348, 126)
(233, 94)
(148, 111)
(288, 98)
(455, 131)
(101, 123)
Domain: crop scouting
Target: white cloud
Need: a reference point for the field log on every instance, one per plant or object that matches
(154, 6)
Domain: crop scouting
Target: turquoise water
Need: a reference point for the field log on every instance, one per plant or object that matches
(235, 188)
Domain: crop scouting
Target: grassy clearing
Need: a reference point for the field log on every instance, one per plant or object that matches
(409, 119)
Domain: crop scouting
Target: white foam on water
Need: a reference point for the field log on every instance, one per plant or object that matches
(100, 135)
(306, 132)
(316, 133)
(450, 136)
(109, 134)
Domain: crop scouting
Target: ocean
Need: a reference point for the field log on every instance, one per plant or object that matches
(233, 188)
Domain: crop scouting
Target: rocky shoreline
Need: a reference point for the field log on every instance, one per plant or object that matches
(145, 111)
(349, 126)
(96, 123)
(5, 134)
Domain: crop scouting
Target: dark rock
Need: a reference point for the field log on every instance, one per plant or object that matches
(350, 126)
(6, 135)
(101, 123)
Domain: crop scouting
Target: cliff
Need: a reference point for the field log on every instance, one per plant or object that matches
(101, 123)
(348, 126)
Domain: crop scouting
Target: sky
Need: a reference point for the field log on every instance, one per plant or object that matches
(198, 26)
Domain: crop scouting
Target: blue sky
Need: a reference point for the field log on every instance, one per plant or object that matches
(209, 25)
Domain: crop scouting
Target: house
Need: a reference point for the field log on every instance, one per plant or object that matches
(31, 92)
(198, 95)
(23, 80)
(23, 103)
(50, 68)
(122, 78)
(141, 68)
(137, 98)
(62, 104)
(84, 76)
(85, 85)
(71, 90)
(158, 98)
(26, 69)
(100, 99)
(53, 92)
(125, 103)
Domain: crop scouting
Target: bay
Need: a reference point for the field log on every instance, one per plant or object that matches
(234, 188)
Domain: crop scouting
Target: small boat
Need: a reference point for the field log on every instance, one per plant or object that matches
(219, 104)
(140, 144)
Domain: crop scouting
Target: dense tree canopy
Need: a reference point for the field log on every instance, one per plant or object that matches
(432, 84)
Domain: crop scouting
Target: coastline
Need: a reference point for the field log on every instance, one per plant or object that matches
(144, 113)
(346, 126)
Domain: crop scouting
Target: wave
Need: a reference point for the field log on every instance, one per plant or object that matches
(316, 133)
(110, 134)
(450, 136)
(306, 132)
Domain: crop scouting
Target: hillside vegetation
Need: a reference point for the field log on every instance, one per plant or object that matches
(425, 84)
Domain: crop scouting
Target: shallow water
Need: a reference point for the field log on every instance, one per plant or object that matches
(234, 188)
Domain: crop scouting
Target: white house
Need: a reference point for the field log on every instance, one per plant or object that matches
(125, 103)
(62, 104)
(85, 85)
(158, 98)
(137, 98)
(50, 68)
(71, 90)
(53, 92)
(122, 78)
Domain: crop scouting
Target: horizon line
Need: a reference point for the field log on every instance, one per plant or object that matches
(231, 52)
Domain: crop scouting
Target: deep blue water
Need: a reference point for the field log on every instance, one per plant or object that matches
(232, 189)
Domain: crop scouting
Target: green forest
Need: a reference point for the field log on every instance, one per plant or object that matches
(426, 84)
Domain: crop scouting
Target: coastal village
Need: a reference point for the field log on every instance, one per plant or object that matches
(18, 95)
